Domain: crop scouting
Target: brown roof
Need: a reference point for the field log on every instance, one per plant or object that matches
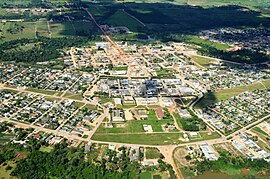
(160, 113)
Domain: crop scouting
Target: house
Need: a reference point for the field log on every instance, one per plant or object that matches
(167, 102)
(117, 101)
(184, 113)
(128, 99)
(87, 148)
(160, 113)
(118, 116)
(147, 101)
(112, 147)
(185, 90)
(147, 128)
(208, 152)
(193, 134)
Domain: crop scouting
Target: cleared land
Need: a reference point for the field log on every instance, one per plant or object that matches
(147, 139)
(150, 138)
(121, 18)
(152, 153)
(134, 126)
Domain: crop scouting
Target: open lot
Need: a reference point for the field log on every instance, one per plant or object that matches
(149, 139)
(122, 18)
(134, 126)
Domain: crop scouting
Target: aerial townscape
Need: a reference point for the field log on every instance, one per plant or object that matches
(145, 89)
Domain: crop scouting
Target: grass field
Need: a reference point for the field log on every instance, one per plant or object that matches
(46, 149)
(225, 94)
(120, 68)
(134, 126)
(61, 29)
(150, 139)
(73, 96)
(5, 174)
(121, 18)
(145, 175)
(253, 4)
(203, 61)
(147, 139)
(152, 153)
(5, 138)
(42, 28)
(205, 136)
(258, 129)
(17, 30)
(48, 92)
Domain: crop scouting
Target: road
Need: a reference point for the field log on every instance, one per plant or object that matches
(105, 33)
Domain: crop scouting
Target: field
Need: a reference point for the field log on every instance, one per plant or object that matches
(48, 92)
(46, 149)
(145, 175)
(134, 126)
(258, 129)
(147, 139)
(150, 138)
(203, 61)
(5, 138)
(152, 153)
(261, 5)
(6, 173)
(17, 30)
(121, 18)
(225, 94)
(15, 2)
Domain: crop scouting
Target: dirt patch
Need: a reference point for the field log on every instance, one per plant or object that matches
(20, 155)
(179, 156)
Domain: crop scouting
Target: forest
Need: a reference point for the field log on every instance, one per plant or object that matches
(227, 161)
(41, 49)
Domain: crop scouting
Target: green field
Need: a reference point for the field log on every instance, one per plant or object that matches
(5, 174)
(17, 30)
(147, 139)
(134, 126)
(152, 153)
(145, 175)
(46, 149)
(261, 5)
(42, 28)
(150, 139)
(48, 92)
(225, 94)
(203, 61)
(258, 129)
(121, 18)
(5, 138)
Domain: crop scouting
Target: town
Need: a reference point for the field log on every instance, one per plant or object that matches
(149, 95)
(134, 89)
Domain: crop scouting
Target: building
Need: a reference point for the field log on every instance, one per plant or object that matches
(118, 116)
(147, 128)
(208, 152)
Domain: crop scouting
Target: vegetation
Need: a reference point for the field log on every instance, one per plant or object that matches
(148, 139)
(213, 97)
(63, 161)
(218, 50)
(44, 49)
(152, 153)
(191, 124)
(227, 162)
